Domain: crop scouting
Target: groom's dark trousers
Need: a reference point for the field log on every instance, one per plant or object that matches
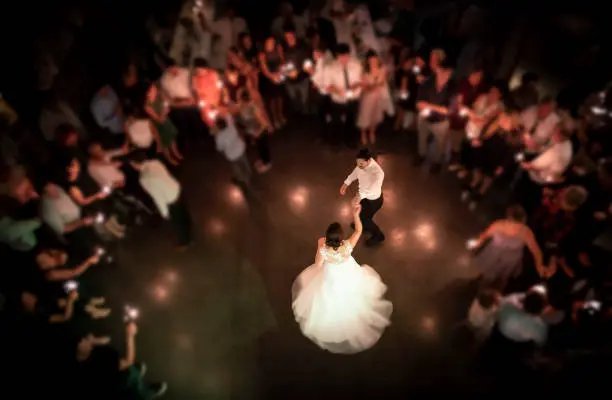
(368, 209)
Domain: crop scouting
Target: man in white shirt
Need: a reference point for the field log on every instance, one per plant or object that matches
(370, 177)
(551, 164)
(540, 122)
(165, 191)
(342, 80)
(103, 169)
(60, 212)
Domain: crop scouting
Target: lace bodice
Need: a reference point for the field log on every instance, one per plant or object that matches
(339, 256)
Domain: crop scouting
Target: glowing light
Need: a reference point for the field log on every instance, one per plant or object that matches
(350, 94)
(539, 289)
(424, 233)
(519, 157)
(390, 198)
(107, 189)
(463, 112)
(160, 293)
(403, 95)
(69, 286)
(217, 227)
(426, 112)
(100, 251)
(201, 103)
(131, 313)
(428, 324)
(345, 210)
(471, 244)
(416, 69)
(307, 64)
(171, 276)
(212, 114)
(398, 237)
(299, 197)
(219, 84)
(598, 110)
(235, 196)
(99, 218)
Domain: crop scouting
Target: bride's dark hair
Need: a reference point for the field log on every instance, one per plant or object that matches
(334, 236)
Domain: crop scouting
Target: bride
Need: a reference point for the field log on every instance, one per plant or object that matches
(338, 303)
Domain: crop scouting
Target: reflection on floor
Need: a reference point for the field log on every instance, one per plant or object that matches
(216, 321)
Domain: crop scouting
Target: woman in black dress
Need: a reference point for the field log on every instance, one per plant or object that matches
(271, 61)
(246, 58)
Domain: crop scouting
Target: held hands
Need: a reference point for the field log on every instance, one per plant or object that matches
(343, 190)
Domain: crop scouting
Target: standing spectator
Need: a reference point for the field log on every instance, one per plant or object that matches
(376, 99)
(527, 94)
(287, 18)
(255, 124)
(540, 122)
(433, 106)
(228, 27)
(520, 318)
(106, 110)
(55, 113)
(343, 79)
(297, 84)
(233, 148)
(271, 64)
(166, 192)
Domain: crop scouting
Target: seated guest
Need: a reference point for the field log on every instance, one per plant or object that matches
(106, 110)
(166, 192)
(19, 235)
(67, 143)
(520, 318)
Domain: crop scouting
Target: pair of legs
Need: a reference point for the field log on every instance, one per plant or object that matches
(298, 94)
(276, 104)
(404, 119)
(369, 208)
(439, 132)
(341, 125)
(241, 169)
(368, 136)
(263, 151)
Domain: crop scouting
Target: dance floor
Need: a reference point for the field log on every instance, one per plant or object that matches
(216, 320)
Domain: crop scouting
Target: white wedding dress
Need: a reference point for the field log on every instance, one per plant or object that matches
(339, 304)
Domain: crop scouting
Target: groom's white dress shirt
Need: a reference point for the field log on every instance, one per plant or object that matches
(160, 185)
(370, 180)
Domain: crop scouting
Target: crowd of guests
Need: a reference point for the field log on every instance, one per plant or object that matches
(73, 191)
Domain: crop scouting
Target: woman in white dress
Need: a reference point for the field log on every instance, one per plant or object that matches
(338, 303)
(376, 99)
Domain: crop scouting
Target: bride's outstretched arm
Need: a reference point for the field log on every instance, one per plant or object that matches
(318, 256)
(358, 226)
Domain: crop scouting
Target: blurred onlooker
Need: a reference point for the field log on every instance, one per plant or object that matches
(60, 212)
(483, 314)
(527, 94)
(540, 122)
(287, 18)
(55, 113)
(271, 63)
(297, 84)
(255, 124)
(323, 27)
(229, 142)
(19, 234)
(108, 114)
(229, 27)
(103, 169)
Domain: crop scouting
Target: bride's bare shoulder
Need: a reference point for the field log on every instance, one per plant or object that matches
(321, 242)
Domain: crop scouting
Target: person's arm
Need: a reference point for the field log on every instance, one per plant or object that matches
(534, 248)
(81, 200)
(79, 223)
(358, 226)
(348, 181)
(151, 96)
(68, 309)
(318, 257)
(64, 274)
(263, 65)
(130, 347)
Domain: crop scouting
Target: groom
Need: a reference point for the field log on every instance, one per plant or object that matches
(370, 177)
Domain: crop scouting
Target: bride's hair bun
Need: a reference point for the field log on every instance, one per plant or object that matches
(334, 236)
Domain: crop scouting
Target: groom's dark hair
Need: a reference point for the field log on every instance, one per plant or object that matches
(364, 154)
